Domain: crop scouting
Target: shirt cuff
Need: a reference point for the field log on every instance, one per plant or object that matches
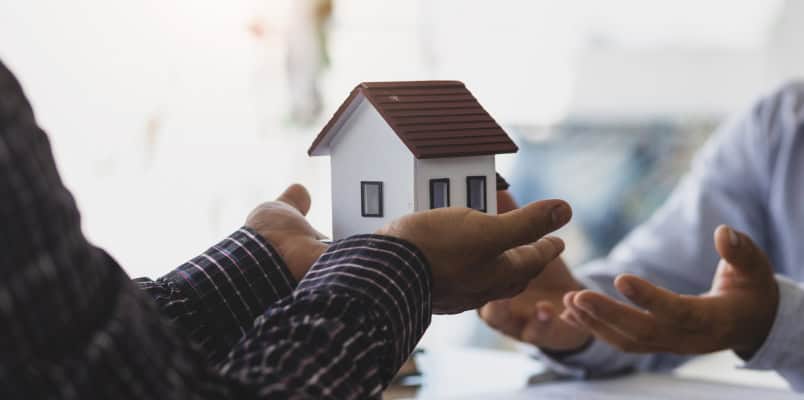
(595, 359)
(782, 348)
(387, 273)
(598, 359)
(230, 284)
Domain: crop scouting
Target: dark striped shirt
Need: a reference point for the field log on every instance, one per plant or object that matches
(228, 324)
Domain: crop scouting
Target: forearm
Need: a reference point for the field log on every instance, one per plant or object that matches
(343, 333)
(75, 326)
(129, 352)
(349, 326)
(215, 297)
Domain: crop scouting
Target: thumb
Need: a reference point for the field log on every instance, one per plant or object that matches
(297, 197)
(528, 224)
(741, 252)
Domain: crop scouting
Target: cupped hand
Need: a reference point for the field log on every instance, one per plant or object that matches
(737, 313)
(532, 316)
(282, 223)
(476, 257)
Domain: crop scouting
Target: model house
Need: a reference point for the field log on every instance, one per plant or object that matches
(400, 147)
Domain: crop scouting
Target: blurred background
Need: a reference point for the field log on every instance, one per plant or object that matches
(171, 119)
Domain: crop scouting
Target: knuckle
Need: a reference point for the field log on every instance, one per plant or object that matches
(512, 258)
(537, 253)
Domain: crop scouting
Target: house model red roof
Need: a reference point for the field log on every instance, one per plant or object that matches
(434, 119)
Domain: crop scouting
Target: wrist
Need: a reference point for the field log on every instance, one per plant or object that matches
(299, 255)
(759, 324)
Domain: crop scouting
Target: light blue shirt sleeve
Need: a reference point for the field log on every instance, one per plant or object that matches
(783, 349)
(730, 182)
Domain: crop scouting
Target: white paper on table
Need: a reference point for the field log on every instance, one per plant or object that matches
(647, 386)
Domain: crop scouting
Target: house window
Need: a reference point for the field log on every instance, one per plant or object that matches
(439, 193)
(476, 192)
(371, 199)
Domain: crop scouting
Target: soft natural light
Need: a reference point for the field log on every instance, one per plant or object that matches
(170, 120)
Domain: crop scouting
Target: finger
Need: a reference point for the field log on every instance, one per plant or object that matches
(527, 224)
(497, 314)
(605, 332)
(741, 252)
(545, 311)
(297, 197)
(568, 297)
(521, 264)
(627, 320)
(535, 331)
(569, 317)
(650, 297)
(543, 324)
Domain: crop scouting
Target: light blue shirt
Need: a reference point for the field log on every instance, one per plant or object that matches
(749, 175)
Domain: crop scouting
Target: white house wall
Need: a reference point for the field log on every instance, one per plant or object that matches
(366, 149)
(456, 169)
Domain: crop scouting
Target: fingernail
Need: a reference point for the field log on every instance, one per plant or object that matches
(543, 316)
(560, 214)
(734, 240)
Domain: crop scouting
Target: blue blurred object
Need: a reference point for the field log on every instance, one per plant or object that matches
(615, 174)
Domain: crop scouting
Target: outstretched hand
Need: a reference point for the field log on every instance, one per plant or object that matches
(532, 316)
(282, 223)
(737, 313)
(476, 257)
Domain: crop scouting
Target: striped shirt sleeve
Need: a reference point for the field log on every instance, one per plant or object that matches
(75, 327)
(72, 325)
(215, 296)
(347, 329)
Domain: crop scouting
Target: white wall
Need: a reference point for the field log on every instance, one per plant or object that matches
(456, 169)
(613, 82)
(366, 149)
(785, 58)
(620, 81)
